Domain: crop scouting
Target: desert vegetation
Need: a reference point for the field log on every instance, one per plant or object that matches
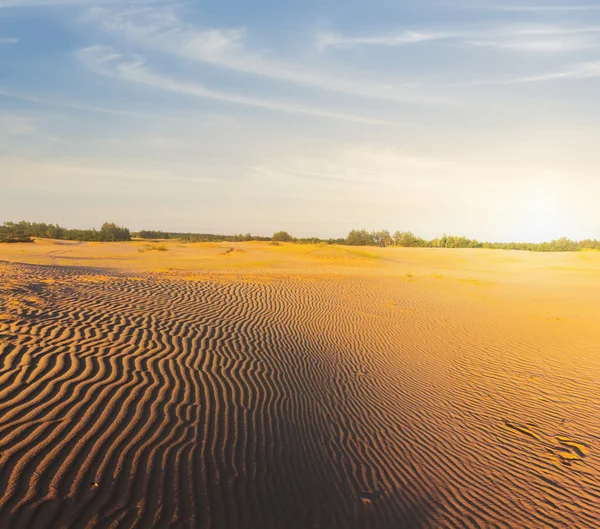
(282, 236)
(153, 234)
(109, 232)
(152, 248)
(407, 239)
(13, 232)
(211, 237)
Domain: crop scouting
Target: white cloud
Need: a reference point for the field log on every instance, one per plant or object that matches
(541, 38)
(535, 38)
(161, 29)
(105, 61)
(587, 70)
(53, 102)
(8, 40)
(384, 168)
(18, 129)
(539, 44)
(525, 8)
(66, 3)
(332, 39)
(89, 175)
(17, 125)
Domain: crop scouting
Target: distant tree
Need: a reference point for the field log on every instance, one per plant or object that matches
(24, 231)
(407, 239)
(13, 232)
(111, 232)
(563, 245)
(360, 238)
(54, 232)
(152, 234)
(282, 236)
(382, 238)
(590, 244)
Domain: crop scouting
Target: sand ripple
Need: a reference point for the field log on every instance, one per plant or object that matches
(159, 401)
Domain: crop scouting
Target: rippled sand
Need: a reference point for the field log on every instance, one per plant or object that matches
(297, 387)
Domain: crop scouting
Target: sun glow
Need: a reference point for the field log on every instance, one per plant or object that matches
(543, 217)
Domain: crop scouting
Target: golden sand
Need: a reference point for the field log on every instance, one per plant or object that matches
(257, 386)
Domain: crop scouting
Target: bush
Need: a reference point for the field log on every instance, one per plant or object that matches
(150, 247)
(12, 232)
(282, 236)
(152, 234)
(23, 231)
(111, 232)
(360, 238)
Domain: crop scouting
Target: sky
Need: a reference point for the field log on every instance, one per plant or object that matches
(476, 118)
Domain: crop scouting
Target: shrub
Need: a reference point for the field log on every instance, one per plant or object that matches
(150, 247)
(282, 236)
(13, 232)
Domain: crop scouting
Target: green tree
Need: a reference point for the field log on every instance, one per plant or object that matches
(360, 238)
(407, 239)
(111, 232)
(282, 236)
(382, 238)
(152, 234)
(13, 232)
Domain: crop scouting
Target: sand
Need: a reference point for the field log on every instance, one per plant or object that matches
(258, 386)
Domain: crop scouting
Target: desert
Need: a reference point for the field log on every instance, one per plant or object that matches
(299, 265)
(248, 385)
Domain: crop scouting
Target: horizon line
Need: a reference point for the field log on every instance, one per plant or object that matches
(318, 239)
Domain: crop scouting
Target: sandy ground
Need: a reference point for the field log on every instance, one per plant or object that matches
(258, 386)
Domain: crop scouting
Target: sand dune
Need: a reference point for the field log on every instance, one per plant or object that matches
(257, 395)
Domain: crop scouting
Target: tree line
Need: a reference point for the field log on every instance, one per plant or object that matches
(199, 237)
(24, 232)
(407, 239)
(208, 237)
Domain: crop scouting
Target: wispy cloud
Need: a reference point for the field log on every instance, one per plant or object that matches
(58, 3)
(8, 40)
(387, 168)
(587, 70)
(68, 174)
(161, 28)
(535, 38)
(106, 61)
(333, 39)
(530, 8)
(72, 105)
(30, 129)
(538, 44)
(17, 125)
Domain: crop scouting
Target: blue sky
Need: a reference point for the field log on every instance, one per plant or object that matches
(478, 118)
